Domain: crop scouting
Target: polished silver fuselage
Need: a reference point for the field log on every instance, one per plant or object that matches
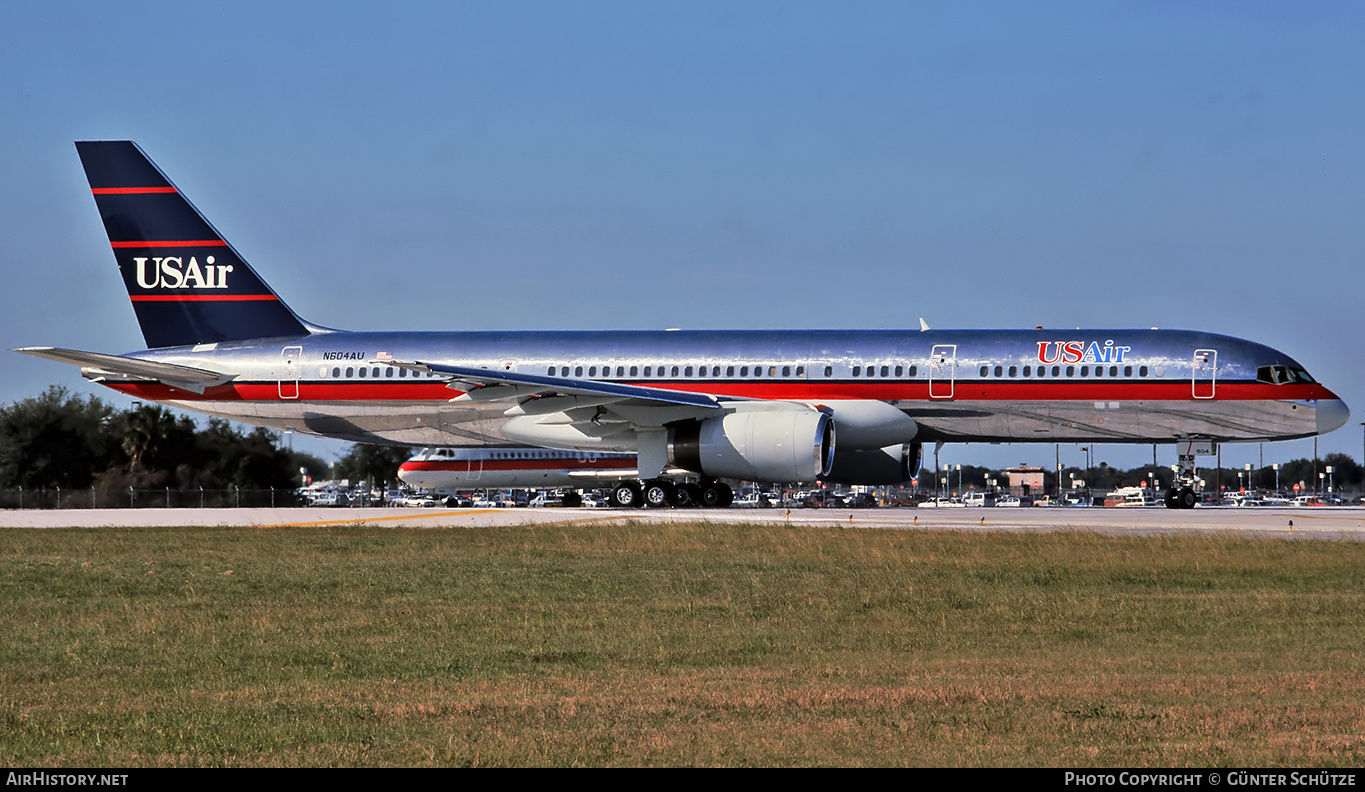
(957, 386)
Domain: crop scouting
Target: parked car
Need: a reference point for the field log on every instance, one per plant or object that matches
(979, 499)
(545, 500)
(330, 499)
(862, 500)
(822, 500)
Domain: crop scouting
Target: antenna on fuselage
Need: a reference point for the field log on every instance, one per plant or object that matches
(923, 325)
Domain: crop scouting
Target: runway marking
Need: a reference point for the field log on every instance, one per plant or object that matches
(1324, 523)
(366, 520)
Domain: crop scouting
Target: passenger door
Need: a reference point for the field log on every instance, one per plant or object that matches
(942, 371)
(289, 374)
(1205, 373)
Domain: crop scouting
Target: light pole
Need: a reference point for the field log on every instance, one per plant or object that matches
(1248, 469)
(938, 484)
(1277, 477)
(1329, 481)
(959, 479)
(1057, 451)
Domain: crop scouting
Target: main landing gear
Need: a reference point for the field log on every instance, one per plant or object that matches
(1182, 495)
(658, 493)
(1181, 498)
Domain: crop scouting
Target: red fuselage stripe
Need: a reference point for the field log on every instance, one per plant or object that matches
(397, 391)
(130, 190)
(199, 297)
(170, 243)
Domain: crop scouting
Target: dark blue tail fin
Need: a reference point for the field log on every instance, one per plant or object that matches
(187, 284)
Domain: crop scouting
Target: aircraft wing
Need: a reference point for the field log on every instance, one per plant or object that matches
(616, 475)
(97, 366)
(481, 384)
(590, 408)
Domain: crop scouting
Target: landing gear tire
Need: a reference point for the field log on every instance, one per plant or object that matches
(687, 496)
(1186, 499)
(715, 495)
(625, 496)
(658, 494)
(572, 500)
(1172, 498)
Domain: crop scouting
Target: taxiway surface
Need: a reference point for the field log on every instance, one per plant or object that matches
(1317, 523)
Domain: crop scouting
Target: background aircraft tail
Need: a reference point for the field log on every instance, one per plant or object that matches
(187, 284)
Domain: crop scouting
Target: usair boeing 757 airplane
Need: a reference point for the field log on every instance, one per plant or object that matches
(757, 405)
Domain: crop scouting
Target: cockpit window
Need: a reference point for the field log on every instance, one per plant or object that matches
(1275, 375)
(1280, 375)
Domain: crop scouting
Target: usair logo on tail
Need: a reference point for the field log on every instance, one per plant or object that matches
(171, 272)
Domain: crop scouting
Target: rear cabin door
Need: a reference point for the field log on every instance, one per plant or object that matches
(289, 374)
(942, 370)
(1205, 376)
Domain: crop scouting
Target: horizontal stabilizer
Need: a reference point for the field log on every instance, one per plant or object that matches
(96, 365)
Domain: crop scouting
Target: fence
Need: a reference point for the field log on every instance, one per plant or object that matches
(56, 498)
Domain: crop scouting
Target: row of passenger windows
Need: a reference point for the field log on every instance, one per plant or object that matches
(1042, 371)
(714, 372)
(517, 454)
(864, 372)
(682, 371)
(375, 372)
(752, 372)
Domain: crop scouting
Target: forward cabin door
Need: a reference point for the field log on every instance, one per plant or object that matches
(942, 370)
(1205, 376)
(289, 374)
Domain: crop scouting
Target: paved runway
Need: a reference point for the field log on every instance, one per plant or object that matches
(1316, 523)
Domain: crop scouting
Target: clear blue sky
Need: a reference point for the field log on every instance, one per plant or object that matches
(526, 165)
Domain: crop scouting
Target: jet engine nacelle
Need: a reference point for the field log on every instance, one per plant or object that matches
(870, 424)
(895, 464)
(767, 445)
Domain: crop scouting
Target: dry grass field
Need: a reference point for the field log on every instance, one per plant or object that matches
(686, 644)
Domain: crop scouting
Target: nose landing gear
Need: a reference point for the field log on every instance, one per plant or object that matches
(1182, 495)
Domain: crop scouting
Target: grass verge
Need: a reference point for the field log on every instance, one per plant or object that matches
(678, 644)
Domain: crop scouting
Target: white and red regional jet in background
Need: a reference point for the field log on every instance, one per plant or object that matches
(448, 470)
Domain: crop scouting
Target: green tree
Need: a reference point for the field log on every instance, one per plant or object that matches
(373, 463)
(156, 439)
(57, 439)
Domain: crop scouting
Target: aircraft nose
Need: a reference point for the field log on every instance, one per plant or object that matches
(1332, 414)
